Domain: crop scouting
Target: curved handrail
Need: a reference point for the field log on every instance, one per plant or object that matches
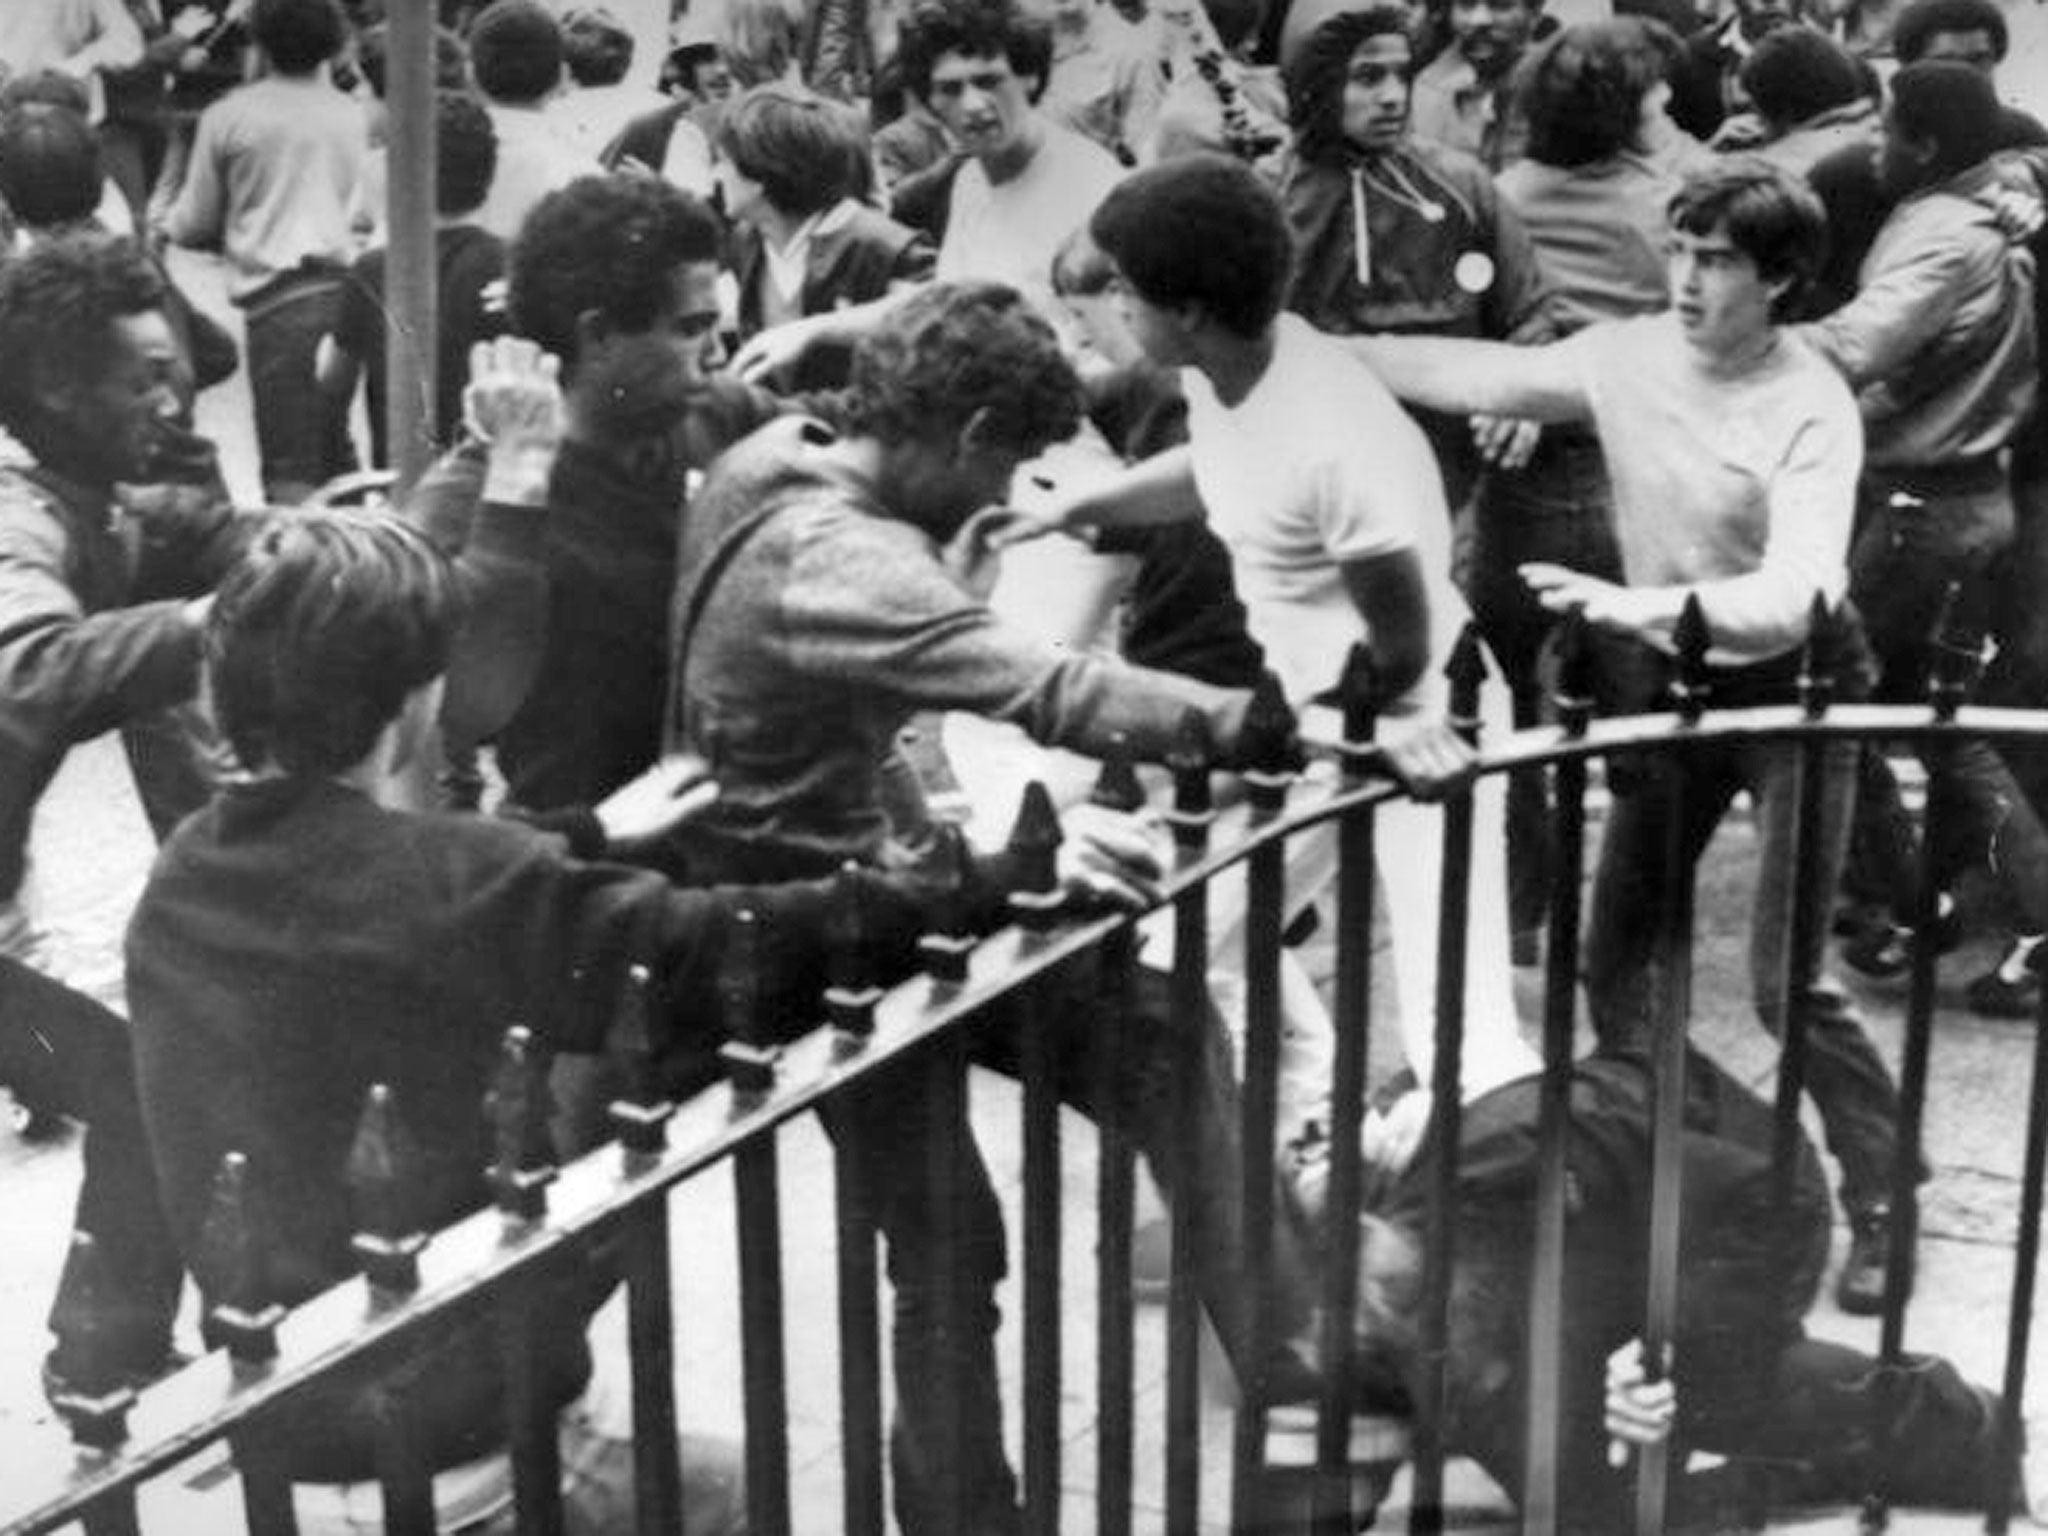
(468, 1264)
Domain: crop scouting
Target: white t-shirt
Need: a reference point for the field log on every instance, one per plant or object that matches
(1318, 466)
(1010, 233)
(1743, 487)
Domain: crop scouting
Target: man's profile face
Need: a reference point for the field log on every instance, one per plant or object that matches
(140, 389)
(983, 102)
(1975, 48)
(1491, 33)
(1723, 301)
(1375, 105)
(642, 380)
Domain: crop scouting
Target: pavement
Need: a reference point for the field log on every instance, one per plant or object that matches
(94, 850)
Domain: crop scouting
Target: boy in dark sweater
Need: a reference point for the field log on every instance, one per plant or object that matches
(299, 940)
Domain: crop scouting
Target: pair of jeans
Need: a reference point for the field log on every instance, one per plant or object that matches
(1848, 1081)
(67, 1055)
(1557, 509)
(300, 446)
(1910, 548)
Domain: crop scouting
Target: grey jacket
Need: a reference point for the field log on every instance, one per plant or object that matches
(829, 626)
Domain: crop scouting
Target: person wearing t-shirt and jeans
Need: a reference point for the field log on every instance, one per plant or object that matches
(1332, 508)
(1734, 451)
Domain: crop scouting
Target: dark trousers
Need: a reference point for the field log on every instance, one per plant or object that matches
(300, 446)
(67, 1054)
(1906, 555)
(1558, 508)
(1847, 1079)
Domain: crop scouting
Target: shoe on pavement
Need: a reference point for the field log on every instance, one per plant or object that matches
(1885, 949)
(1152, 1260)
(1859, 1289)
(2011, 989)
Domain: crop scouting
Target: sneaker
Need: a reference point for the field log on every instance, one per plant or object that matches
(2011, 989)
(1859, 1289)
(1152, 1260)
(1885, 949)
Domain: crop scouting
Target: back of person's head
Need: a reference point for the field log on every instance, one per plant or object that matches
(373, 58)
(298, 36)
(1769, 215)
(1921, 21)
(1318, 69)
(955, 352)
(465, 153)
(1201, 229)
(1797, 73)
(596, 47)
(1950, 106)
(1581, 90)
(49, 165)
(761, 40)
(319, 633)
(973, 29)
(50, 87)
(59, 300)
(515, 52)
(804, 149)
(604, 247)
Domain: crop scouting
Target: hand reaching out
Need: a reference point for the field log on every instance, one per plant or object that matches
(657, 802)
(1428, 756)
(513, 402)
(1111, 858)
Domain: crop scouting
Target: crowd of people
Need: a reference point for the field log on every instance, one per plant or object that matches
(1089, 381)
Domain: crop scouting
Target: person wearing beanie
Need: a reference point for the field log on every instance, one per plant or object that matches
(515, 57)
(1940, 345)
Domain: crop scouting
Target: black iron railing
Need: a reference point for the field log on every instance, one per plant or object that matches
(495, 1264)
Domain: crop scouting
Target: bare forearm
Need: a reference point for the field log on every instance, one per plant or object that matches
(1153, 491)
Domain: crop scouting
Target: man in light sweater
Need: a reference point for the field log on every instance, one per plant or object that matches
(275, 165)
(1734, 452)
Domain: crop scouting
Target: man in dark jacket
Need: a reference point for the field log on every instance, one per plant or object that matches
(1750, 1384)
(99, 626)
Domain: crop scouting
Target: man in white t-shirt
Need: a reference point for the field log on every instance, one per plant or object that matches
(1332, 508)
(1734, 452)
(1027, 183)
(1025, 186)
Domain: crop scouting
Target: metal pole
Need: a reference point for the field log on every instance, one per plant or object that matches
(410, 278)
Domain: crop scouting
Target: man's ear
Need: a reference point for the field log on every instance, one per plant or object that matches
(55, 394)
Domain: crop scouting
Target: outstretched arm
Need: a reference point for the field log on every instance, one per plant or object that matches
(1468, 378)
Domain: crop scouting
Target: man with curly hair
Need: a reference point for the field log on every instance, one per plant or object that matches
(617, 277)
(815, 612)
(99, 627)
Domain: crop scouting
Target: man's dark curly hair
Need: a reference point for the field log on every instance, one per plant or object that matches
(298, 36)
(974, 29)
(1200, 229)
(603, 243)
(1316, 74)
(1581, 89)
(953, 350)
(58, 303)
(465, 153)
(319, 632)
(1920, 21)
